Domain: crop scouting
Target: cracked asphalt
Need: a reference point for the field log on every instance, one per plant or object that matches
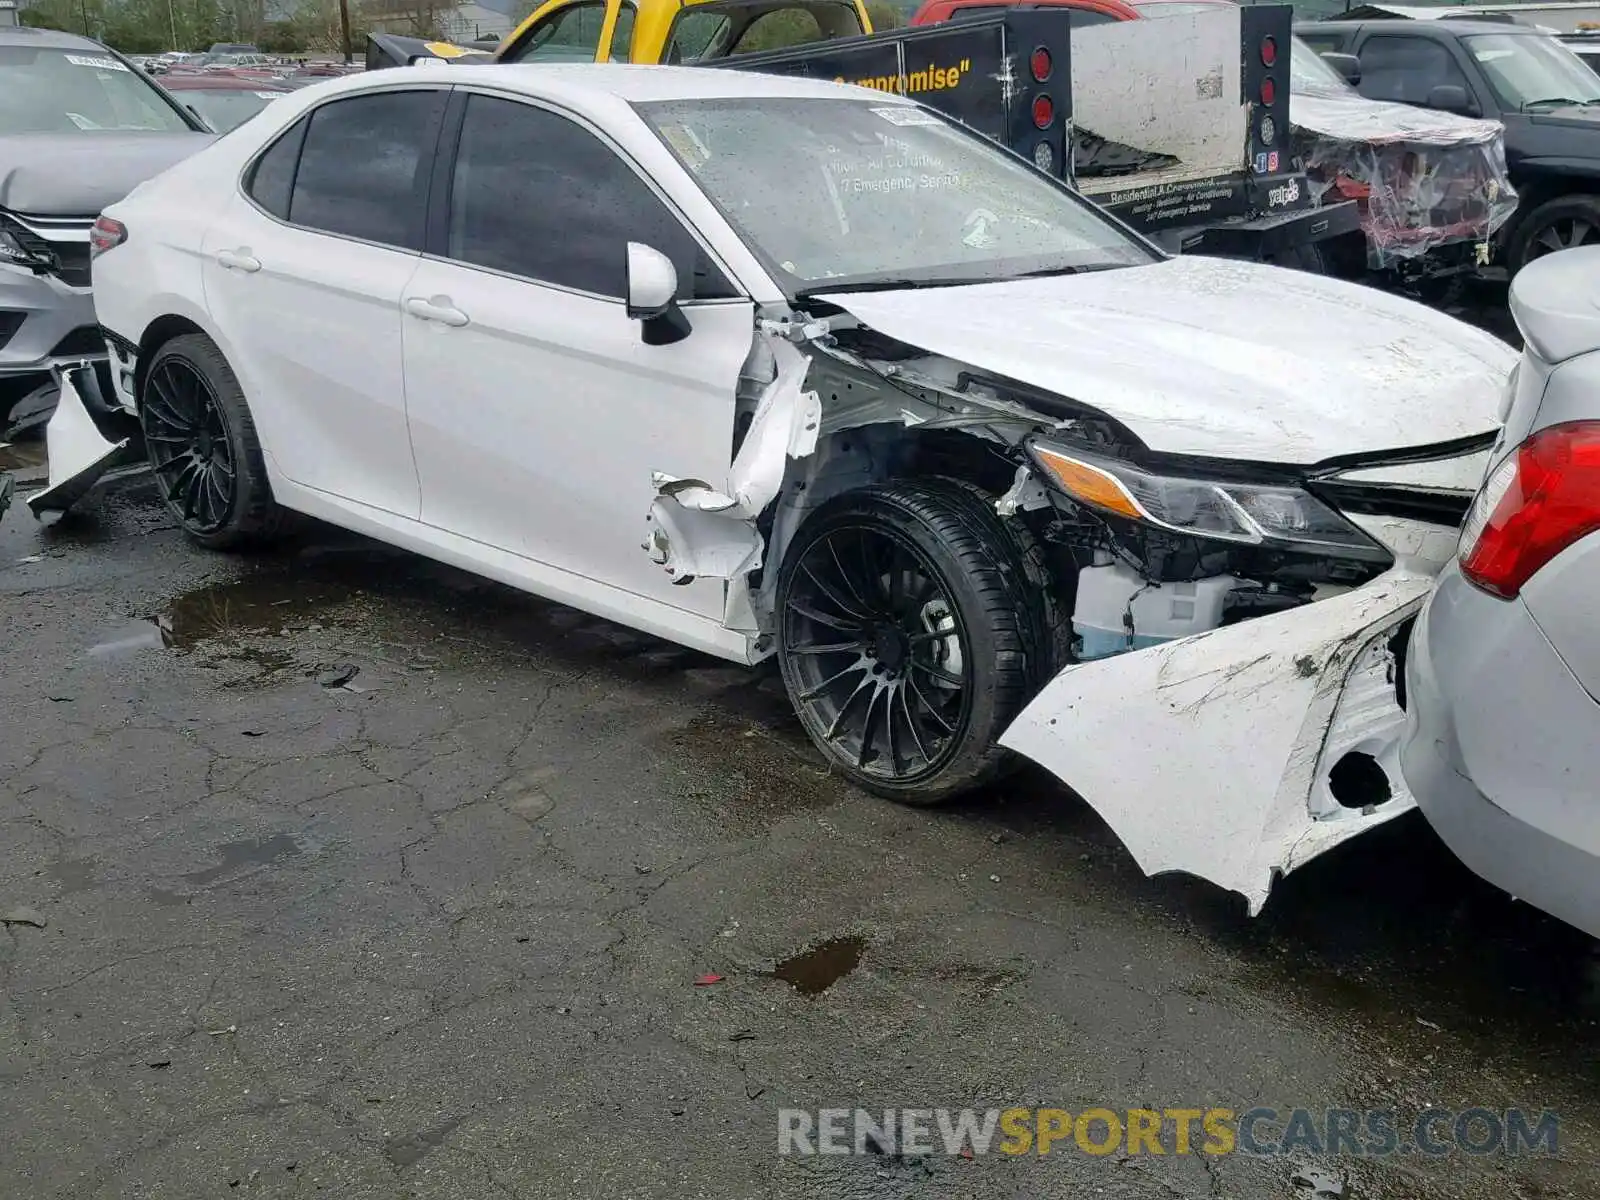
(432, 929)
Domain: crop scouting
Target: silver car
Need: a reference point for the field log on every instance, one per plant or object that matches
(1502, 748)
(79, 128)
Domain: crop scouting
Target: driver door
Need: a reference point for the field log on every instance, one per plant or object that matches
(538, 414)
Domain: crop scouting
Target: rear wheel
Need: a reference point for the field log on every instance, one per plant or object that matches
(909, 637)
(203, 447)
(1561, 224)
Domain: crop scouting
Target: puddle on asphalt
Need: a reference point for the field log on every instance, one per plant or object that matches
(72, 874)
(412, 1148)
(252, 852)
(814, 971)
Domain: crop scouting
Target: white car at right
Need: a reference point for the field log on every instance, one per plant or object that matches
(775, 367)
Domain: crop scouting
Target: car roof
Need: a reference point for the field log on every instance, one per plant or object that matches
(630, 83)
(1442, 29)
(28, 35)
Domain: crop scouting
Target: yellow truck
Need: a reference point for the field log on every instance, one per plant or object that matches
(667, 31)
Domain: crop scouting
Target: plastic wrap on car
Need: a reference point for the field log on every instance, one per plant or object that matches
(1422, 180)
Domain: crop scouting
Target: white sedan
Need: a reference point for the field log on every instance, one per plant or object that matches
(771, 366)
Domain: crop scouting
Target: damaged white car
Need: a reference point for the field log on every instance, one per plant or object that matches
(989, 474)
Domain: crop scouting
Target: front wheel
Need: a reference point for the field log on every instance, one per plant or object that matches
(1561, 224)
(203, 447)
(909, 637)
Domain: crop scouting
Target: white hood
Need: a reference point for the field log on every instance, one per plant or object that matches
(1218, 358)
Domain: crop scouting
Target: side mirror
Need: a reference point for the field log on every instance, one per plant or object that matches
(1452, 97)
(652, 292)
(1347, 65)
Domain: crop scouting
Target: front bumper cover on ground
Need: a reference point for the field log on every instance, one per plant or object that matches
(86, 438)
(1214, 754)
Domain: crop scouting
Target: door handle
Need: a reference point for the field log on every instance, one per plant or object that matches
(437, 309)
(239, 260)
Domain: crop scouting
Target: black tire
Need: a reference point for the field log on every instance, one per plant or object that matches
(1558, 224)
(215, 483)
(950, 663)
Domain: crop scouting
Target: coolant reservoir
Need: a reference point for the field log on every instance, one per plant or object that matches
(1113, 598)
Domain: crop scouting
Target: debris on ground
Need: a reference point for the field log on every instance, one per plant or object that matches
(23, 915)
(707, 980)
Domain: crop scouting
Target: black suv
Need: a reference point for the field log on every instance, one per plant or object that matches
(1547, 99)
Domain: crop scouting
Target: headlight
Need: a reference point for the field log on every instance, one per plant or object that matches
(14, 250)
(1248, 513)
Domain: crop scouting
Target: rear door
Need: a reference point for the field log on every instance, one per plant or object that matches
(538, 413)
(305, 270)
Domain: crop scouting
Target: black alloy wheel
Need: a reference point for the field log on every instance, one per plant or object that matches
(879, 651)
(190, 450)
(913, 625)
(203, 447)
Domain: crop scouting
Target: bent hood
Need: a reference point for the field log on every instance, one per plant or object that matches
(1354, 118)
(1218, 358)
(78, 174)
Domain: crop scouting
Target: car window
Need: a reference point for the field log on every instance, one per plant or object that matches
(851, 190)
(364, 167)
(46, 90)
(1406, 69)
(1531, 73)
(536, 195)
(622, 35)
(1311, 75)
(695, 35)
(271, 180)
(225, 109)
(1322, 43)
(778, 29)
(571, 35)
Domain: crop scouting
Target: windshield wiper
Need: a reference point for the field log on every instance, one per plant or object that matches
(886, 285)
(1554, 101)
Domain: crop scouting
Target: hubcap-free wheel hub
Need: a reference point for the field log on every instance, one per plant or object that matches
(872, 641)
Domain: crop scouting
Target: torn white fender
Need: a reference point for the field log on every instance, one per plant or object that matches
(79, 454)
(696, 530)
(1211, 754)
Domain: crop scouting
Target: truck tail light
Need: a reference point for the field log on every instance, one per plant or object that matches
(1040, 64)
(107, 234)
(1269, 51)
(1044, 111)
(1541, 499)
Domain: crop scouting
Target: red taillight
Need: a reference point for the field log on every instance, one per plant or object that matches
(107, 234)
(1269, 92)
(1040, 64)
(1044, 111)
(1269, 51)
(1541, 499)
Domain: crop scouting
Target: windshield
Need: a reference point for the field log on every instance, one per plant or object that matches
(1533, 72)
(856, 193)
(56, 91)
(223, 109)
(1311, 76)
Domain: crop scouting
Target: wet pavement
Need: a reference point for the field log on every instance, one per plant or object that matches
(337, 873)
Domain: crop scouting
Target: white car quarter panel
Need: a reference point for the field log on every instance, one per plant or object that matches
(537, 426)
(316, 345)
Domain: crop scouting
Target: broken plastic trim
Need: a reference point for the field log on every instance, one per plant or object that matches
(80, 450)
